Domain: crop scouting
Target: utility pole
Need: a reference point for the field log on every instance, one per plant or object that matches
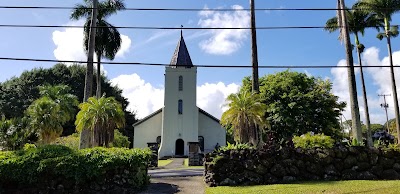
(386, 106)
(86, 139)
(344, 34)
(254, 53)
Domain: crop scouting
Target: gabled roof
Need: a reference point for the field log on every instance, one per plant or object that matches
(148, 117)
(208, 115)
(181, 57)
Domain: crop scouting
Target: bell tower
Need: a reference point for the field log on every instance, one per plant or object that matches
(180, 114)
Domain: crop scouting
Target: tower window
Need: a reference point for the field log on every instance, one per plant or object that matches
(180, 83)
(180, 107)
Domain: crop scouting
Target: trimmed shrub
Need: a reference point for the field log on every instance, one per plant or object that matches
(308, 141)
(54, 167)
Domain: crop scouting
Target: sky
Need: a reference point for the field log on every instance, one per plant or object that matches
(144, 85)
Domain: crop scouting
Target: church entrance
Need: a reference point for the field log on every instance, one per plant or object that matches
(179, 147)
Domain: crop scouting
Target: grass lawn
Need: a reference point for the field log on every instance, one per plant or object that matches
(164, 162)
(186, 164)
(386, 187)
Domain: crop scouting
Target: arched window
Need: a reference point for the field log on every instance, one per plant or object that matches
(180, 107)
(201, 143)
(180, 83)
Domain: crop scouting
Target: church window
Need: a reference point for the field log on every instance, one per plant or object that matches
(180, 83)
(180, 107)
(201, 143)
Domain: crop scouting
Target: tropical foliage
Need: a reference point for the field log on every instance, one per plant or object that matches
(245, 115)
(18, 93)
(296, 104)
(101, 116)
(310, 140)
(51, 111)
(14, 133)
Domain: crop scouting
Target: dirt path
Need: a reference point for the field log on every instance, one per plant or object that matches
(167, 185)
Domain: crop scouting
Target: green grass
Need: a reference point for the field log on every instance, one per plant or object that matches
(186, 162)
(163, 162)
(331, 187)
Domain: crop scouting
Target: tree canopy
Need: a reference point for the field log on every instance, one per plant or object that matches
(297, 104)
(17, 93)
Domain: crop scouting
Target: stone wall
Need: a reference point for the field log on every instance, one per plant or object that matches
(250, 166)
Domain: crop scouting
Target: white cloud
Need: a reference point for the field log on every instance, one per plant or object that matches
(380, 77)
(69, 43)
(145, 98)
(224, 42)
(211, 97)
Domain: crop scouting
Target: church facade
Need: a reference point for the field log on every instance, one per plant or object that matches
(180, 121)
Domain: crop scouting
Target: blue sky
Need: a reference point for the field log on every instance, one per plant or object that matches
(143, 85)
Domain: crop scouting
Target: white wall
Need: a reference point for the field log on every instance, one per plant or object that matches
(212, 132)
(148, 131)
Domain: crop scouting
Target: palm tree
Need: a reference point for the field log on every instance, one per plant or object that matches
(108, 39)
(101, 116)
(62, 96)
(46, 119)
(51, 111)
(345, 37)
(385, 9)
(246, 116)
(358, 21)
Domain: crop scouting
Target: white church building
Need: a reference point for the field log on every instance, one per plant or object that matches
(180, 121)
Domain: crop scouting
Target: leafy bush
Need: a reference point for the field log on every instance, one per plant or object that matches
(238, 146)
(14, 133)
(71, 141)
(38, 167)
(120, 141)
(310, 140)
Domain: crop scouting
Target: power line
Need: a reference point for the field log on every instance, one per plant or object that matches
(201, 66)
(186, 9)
(170, 28)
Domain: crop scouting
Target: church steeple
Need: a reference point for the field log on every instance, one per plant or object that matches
(181, 57)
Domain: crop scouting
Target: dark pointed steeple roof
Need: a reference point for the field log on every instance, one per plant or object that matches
(181, 57)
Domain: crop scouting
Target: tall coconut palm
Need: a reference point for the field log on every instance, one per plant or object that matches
(385, 9)
(246, 116)
(108, 39)
(345, 37)
(254, 53)
(101, 116)
(358, 21)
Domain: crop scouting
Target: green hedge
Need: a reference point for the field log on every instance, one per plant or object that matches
(309, 141)
(48, 167)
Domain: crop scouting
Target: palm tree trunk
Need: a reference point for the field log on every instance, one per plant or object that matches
(364, 91)
(254, 53)
(355, 112)
(393, 79)
(86, 139)
(98, 91)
